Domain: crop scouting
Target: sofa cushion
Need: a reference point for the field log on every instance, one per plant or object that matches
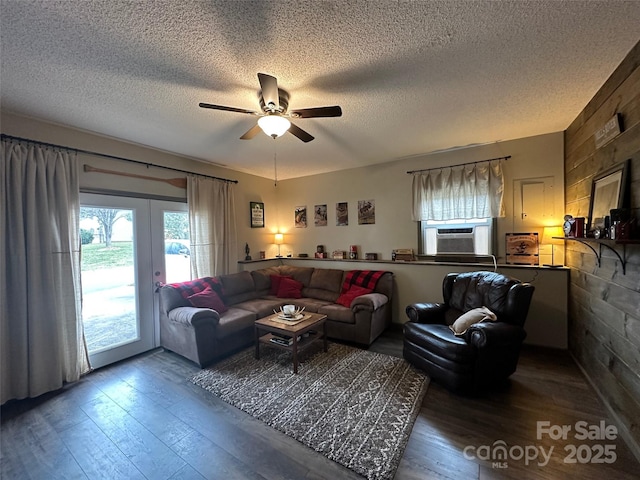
(262, 277)
(320, 294)
(310, 304)
(301, 274)
(324, 284)
(238, 287)
(262, 307)
(354, 291)
(289, 288)
(236, 283)
(326, 279)
(234, 320)
(275, 283)
(208, 298)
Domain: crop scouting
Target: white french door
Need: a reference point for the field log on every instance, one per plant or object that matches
(123, 260)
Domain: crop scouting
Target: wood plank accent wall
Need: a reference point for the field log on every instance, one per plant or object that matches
(604, 304)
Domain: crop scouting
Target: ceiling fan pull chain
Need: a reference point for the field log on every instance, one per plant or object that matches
(275, 165)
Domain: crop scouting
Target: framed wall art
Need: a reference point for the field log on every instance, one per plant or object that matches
(320, 215)
(256, 211)
(366, 212)
(608, 191)
(301, 217)
(342, 214)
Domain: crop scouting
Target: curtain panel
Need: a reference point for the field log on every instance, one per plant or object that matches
(42, 341)
(212, 224)
(462, 192)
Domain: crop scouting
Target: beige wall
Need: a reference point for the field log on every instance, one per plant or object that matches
(390, 186)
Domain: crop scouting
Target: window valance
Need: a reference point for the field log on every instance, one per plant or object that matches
(461, 192)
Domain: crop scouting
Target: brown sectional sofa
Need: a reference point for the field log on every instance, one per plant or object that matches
(203, 335)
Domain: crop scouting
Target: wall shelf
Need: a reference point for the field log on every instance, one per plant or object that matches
(608, 244)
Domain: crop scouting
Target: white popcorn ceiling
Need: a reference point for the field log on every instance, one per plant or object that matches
(412, 77)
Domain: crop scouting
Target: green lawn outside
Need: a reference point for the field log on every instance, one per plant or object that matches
(96, 256)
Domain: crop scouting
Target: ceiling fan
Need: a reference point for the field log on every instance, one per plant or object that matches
(274, 118)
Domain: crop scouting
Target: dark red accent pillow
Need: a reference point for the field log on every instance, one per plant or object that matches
(353, 292)
(289, 288)
(208, 298)
(275, 283)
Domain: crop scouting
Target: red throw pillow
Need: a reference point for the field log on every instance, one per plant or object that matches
(289, 288)
(275, 283)
(353, 292)
(208, 298)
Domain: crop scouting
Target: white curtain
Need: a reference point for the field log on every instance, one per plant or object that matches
(212, 224)
(42, 340)
(462, 192)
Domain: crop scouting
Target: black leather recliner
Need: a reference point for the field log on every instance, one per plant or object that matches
(487, 353)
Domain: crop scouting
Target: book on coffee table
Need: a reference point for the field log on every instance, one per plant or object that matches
(286, 341)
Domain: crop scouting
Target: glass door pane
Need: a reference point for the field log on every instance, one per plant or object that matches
(117, 277)
(171, 249)
(177, 249)
(108, 278)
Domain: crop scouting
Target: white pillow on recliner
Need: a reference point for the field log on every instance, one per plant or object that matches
(472, 317)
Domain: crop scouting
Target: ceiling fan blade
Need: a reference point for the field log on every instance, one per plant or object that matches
(334, 111)
(228, 109)
(269, 86)
(252, 132)
(301, 134)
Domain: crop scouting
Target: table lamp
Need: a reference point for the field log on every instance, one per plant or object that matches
(549, 237)
(279, 240)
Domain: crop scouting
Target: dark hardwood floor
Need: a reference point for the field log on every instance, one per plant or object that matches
(143, 419)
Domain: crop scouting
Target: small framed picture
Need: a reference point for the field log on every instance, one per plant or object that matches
(301, 217)
(320, 215)
(257, 214)
(342, 214)
(366, 212)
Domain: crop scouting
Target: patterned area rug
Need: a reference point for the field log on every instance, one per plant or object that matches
(355, 407)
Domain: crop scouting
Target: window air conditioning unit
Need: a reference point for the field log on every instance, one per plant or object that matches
(459, 239)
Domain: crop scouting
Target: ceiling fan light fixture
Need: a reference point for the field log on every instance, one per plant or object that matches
(274, 125)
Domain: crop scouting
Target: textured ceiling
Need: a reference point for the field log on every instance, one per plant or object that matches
(411, 77)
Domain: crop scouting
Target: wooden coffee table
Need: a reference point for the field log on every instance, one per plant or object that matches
(268, 326)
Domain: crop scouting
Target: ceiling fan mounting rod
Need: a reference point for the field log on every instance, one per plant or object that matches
(271, 107)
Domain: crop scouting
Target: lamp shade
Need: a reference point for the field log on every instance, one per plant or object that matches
(279, 239)
(548, 234)
(274, 125)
